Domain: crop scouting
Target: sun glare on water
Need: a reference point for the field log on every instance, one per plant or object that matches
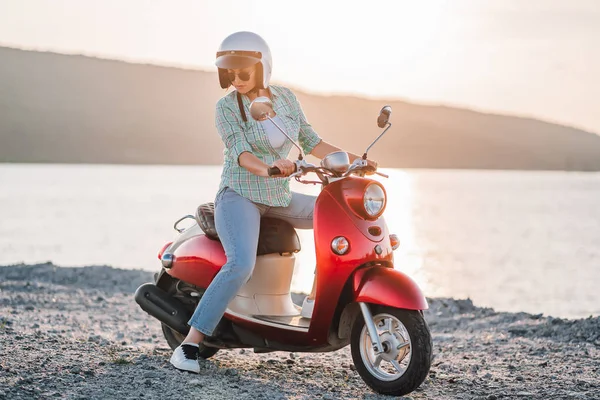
(408, 258)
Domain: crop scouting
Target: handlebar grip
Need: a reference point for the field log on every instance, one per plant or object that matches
(274, 171)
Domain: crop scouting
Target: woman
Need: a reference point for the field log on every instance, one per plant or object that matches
(246, 191)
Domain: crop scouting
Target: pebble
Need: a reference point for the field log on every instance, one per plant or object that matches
(475, 348)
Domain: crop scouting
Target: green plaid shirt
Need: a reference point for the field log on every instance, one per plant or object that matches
(239, 136)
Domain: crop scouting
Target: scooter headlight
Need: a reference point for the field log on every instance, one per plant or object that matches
(374, 200)
(340, 245)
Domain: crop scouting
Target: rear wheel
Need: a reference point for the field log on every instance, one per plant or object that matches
(183, 293)
(175, 338)
(407, 350)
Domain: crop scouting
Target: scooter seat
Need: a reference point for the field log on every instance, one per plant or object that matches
(276, 235)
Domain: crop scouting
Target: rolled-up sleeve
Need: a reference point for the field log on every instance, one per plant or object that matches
(230, 131)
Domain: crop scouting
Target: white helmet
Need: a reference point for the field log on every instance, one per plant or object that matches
(241, 50)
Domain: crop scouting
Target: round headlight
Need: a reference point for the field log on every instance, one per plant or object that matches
(374, 200)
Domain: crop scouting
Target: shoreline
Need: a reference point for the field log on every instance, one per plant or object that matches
(77, 333)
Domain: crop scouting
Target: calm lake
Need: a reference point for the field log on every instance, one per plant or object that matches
(511, 240)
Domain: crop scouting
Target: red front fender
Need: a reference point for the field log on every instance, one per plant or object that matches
(386, 286)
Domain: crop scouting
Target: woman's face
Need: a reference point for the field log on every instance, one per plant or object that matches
(244, 80)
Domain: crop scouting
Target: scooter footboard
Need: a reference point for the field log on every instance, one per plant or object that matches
(387, 286)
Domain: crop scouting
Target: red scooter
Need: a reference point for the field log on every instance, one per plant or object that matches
(361, 299)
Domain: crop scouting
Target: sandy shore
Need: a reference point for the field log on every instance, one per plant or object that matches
(77, 333)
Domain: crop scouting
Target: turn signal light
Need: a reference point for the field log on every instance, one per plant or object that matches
(340, 245)
(167, 260)
(394, 241)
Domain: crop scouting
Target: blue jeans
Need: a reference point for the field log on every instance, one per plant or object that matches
(237, 220)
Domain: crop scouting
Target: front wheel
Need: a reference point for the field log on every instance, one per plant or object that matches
(407, 350)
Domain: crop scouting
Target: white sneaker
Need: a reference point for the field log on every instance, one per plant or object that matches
(185, 357)
(307, 307)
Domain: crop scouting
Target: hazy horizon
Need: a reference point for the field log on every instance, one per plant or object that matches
(537, 59)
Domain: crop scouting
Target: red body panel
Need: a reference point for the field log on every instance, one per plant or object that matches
(160, 253)
(198, 260)
(334, 217)
(389, 287)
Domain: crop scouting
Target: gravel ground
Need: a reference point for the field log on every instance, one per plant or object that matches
(77, 333)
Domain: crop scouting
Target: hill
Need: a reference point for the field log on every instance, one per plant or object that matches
(77, 109)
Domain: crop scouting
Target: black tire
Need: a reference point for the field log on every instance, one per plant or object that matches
(175, 338)
(420, 352)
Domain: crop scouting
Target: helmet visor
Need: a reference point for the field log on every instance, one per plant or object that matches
(233, 59)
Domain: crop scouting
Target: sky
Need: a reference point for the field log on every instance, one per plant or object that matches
(538, 58)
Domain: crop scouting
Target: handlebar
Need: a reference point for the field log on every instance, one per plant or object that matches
(370, 170)
(302, 168)
(276, 171)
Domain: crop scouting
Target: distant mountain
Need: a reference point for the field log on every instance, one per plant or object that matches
(76, 109)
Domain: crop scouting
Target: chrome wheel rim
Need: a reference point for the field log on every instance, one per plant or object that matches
(393, 362)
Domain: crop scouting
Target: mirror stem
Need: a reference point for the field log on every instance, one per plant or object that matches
(364, 157)
(301, 155)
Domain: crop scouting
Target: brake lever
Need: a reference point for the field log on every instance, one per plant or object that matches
(300, 165)
(360, 164)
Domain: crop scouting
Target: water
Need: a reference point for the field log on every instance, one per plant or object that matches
(515, 241)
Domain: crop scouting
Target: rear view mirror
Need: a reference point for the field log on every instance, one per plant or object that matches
(261, 108)
(384, 116)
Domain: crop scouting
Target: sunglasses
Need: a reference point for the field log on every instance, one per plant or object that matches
(244, 75)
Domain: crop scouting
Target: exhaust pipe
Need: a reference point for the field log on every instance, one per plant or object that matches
(163, 307)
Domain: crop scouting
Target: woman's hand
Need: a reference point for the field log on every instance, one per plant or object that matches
(286, 167)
